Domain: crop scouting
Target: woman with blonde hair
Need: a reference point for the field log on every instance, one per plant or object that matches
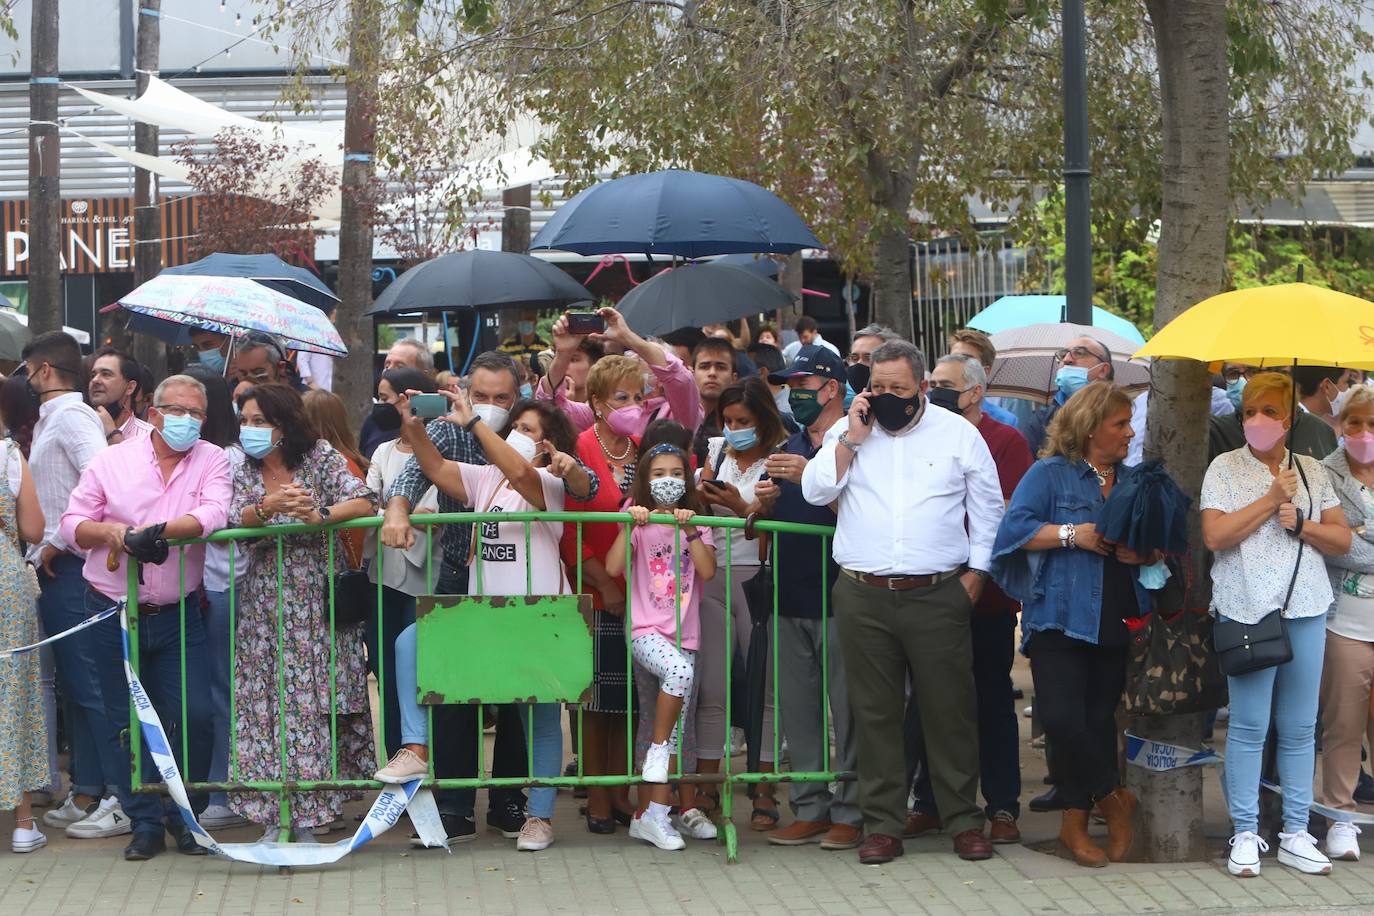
(1077, 590)
(1259, 513)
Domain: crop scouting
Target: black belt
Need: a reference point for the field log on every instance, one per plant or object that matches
(144, 609)
(902, 583)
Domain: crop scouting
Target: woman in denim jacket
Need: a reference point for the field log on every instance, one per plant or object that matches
(1076, 591)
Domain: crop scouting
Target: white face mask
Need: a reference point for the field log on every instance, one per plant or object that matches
(1339, 402)
(495, 417)
(523, 444)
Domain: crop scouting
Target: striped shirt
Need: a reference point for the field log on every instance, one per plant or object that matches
(66, 437)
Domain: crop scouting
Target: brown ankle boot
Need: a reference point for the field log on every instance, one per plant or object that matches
(1117, 809)
(1073, 833)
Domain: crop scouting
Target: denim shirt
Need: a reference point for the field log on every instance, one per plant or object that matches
(1059, 589)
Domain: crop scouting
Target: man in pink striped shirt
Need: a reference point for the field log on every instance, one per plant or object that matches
(173, 480)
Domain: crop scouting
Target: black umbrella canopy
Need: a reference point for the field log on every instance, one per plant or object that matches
(267, 269)
(479, 279)
(699, 294)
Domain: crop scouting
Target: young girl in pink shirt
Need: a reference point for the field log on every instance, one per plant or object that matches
(668, 566)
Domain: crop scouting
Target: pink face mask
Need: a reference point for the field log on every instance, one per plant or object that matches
(626, 421)
(1263, 433)
(1361, 447)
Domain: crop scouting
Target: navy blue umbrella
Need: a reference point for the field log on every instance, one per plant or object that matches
(754, 263)
(479, 279)
(683, 214)
(267, 269)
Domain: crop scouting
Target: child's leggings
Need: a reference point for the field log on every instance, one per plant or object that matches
(671, 665)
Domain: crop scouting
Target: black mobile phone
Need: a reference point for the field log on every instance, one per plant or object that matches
(585, 323)
(866, 415)
(713, 484)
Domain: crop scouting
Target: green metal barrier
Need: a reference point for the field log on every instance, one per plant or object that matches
(476, 625)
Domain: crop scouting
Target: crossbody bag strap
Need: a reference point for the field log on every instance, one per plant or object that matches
(1297, 564)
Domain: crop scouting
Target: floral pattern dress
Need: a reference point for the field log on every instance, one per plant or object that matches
(23, 729)
(305, 650)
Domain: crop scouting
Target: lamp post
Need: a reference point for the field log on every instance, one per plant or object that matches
(1078, 256)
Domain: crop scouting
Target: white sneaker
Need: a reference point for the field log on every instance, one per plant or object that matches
(107, 820)
(697, 825)
(737, 741)
(537, 834)
(219, 817)
(1245, 854)
(68, 813)
(1299, 850)
(656, 763)
(1341, 842)
(656, 830)
(27, 839)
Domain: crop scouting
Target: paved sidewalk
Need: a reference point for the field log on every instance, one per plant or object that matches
(586, 874)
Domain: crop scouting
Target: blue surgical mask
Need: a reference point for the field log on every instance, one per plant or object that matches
(1069, 379)
(256, 440)
(212, 360)
(849, 395)
(526, 328)
(1153, 577)
(526, 391)
(180, 433)
(1234, 390)
(741, 440)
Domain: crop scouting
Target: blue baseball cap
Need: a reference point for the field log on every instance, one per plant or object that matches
(814, 360)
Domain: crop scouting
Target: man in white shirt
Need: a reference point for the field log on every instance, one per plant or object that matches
(906, 478)
(808, 334)
(66, 437)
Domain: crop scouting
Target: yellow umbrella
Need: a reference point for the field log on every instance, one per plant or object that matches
(1284, 325)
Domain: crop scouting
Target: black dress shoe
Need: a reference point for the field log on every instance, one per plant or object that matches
(185, 839)
(600, 825)
(144, 846)
(1050, 801)
(1364, 790)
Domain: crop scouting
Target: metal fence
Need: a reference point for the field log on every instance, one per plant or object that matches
(285, 783)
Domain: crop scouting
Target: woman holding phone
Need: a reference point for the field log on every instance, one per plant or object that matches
(751, 430)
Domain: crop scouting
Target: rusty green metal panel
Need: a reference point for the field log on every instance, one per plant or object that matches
(498, 649)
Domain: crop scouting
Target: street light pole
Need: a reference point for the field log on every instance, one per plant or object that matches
(1078, 257)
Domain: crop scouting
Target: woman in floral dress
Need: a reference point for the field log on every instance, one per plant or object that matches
(23, 727)
(291, 476)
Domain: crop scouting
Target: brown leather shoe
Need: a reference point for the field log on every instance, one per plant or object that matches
(842, 836)
(1073, 833)
(918, 823)
(973, 845)
(1002, 829)
(799, 833)
(1117, 809)
(880, 848)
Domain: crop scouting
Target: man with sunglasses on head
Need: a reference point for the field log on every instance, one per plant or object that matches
(1084, 360)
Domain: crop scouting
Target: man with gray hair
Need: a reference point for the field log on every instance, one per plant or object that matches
(957, 384)
(901, 474)
(1085, 360)
(867, 339)
(131, 500)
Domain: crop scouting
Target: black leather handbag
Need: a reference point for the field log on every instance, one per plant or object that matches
(1243, 648)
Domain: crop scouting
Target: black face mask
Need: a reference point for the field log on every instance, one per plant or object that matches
(114, 410)
(858, 376)
(386, 417)
(894, 413)
(948, 398)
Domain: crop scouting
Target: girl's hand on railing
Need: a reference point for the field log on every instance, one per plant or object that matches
(684, 519)
(640, 515)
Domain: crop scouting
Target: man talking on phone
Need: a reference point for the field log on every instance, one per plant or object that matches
(905, 478)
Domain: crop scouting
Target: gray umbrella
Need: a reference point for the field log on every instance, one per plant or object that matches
(1025, 364)
(13, 336)
(699, 294)
(479, 279)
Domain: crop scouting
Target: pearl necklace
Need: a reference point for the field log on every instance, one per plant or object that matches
(629, 444)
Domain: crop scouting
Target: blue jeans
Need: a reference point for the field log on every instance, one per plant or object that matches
(97, 760)
(398, 612)
(1292, 690)
(219, 656)
(160, 671)
(547, 753)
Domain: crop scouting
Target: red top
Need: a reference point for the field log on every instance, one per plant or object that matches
(597, 537)
(1011, 453)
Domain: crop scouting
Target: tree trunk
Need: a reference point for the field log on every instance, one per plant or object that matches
(515, 236)
(1191, 48)
(790, 277)
(353, 373)
(891, 289)
(46, 308)
(146, 348)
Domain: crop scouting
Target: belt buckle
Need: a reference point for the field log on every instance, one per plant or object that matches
(892, 583)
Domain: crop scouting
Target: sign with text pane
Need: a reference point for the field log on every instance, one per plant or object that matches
(503, 649)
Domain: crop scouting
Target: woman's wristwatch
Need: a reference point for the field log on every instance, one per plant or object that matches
(1066, 536)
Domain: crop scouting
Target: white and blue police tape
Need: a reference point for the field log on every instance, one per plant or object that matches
(394, 801)
(1159, 757)
(1352, 817)
(85, 624)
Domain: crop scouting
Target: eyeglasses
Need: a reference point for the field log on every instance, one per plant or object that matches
(1076, 353)
(176, 410)
(1234, 374)
(258, 376)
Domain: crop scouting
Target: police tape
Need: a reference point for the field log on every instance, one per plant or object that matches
(1160, 757)
(83, 625)
(394, 800)
(1350, 817)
